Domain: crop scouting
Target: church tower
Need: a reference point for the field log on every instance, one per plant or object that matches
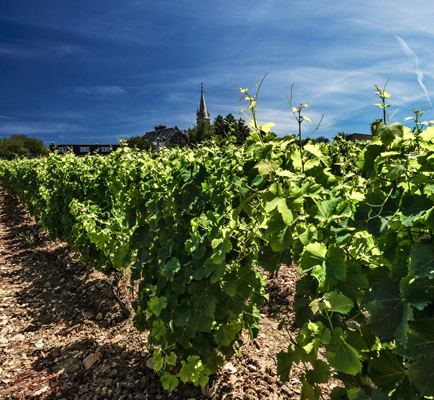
(202, 114)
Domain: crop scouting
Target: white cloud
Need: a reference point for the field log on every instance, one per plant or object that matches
(408, 52)
(99, 90)
(38, 49)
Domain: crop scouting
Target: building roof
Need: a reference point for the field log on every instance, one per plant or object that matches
(361, 136)
(161, 133)
(202, 113)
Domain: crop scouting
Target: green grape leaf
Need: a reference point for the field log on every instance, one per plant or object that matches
(390, 313)
(221, 247)
(420, 340)
(422, 374)
(356, 394)
(396, 170)
(354, 281)
(313, 255)
(182, 314)
(319, 374)
(315, 149)
(332, 269)
(422, 260)
(406, 390)
(413, 207)
(190, 370)
(227, 333)
(205, 298)
(326, 209)
(158, 360)
(156, 304)
(335, 301)
(310, 392)
(271, 261)
(377, 394)
(265, 167)
(169, 381)
(170, 359)
(387, 371)
(281, 240)
(285, 359)
(387, 133)
(141, 237)
(158, 329)
(341, 355)
(170, 268)
(417, 291)
(366, 161)
(339, 393)
(312, 335)
(234, 304)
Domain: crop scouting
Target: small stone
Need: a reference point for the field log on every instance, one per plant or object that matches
(20, 337)
(129, 386)
(230, 368)
(150, 363)
(142, 383)
(92, 359)
(106, 369)
(87, 315)
(40, 391)
(99, 316)
(252, 367)
(47, 285)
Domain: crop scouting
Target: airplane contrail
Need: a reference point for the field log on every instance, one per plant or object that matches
(409, 52)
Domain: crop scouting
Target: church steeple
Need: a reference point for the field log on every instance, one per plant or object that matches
(202, 114)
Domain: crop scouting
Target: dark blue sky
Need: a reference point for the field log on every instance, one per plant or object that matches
(85, 72)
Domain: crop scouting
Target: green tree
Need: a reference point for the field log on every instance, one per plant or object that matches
(229, 126)
(139, 143)
(322, 139)
(344, 136)
(199, 133)
(20, 145)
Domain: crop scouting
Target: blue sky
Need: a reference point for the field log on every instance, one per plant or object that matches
(84, 72)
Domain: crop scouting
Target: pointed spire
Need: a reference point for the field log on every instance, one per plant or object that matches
(202, 114)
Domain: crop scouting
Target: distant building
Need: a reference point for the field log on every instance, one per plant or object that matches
(84, 149)
(360, 136)
(162, 137)
(202, 114)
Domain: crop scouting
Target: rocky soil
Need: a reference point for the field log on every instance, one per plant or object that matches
(63, 336)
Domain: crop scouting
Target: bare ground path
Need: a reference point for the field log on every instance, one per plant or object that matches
(63, 336)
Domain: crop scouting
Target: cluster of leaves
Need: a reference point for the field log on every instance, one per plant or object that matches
(174, 217)
(79, 200)
(363, 243)
(139, 143)
(20, 145)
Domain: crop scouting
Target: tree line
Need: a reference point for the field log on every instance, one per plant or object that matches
(223, 129)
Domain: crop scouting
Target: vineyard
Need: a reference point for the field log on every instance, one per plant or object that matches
(200, 229)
